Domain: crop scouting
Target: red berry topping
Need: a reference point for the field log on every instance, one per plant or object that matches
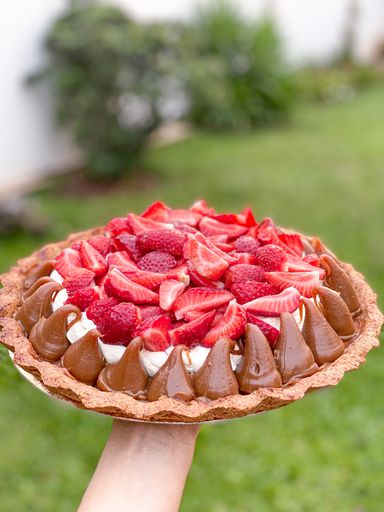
(121, 259)
(150, 280)
(92, 259)
(165, 240)
(296, 264)
(200, 299)
(211, 227)
(169, 291)
(245, 258)
(138, 224)
(270, 332)
(120, 323)
(271, 257)
(155, 332)
(250, 290)
(304, 282)
(243, 272)
(231, 326)
(312, 259)
(199, 280)
(247, 244)
(127, 242)
(98, 310)
(157, 261)
(273, 305)
(204, 260)
(116, 226)
(66, 261)
(156, 211)
(123, 288)
(83, 298)
(202, 208)
(292, 241)
(78, 279)
(150, 311)
(100, 243)
(192, 332)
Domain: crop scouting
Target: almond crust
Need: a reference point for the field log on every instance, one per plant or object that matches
(60, 385)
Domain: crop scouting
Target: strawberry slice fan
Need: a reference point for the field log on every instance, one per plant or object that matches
(186, 315)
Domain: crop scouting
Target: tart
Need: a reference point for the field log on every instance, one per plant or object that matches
(186, 316)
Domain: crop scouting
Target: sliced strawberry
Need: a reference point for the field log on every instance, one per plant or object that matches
(98, 310)
(245, 258)
(221, 239)
(101, 243)
(295, 264)
(199, 280)
(169, 291)
(116, 226)
(184, 228)
(165, 240)
(313, 259)
(92, 259)
(204, 260)
(121, 259)
(155, 333)
(138, 224)
(266, 232)
(119, 324)
(193, 332)
(202, 208)
(273, 305)
(150, 311)
(127, 242)
(67, 261)
(78, 279)
(150, 280)
(209, 227)
(293, 241)
(180, 273)
(247, 218)
(224, 247)
(213, 247)
(156, 211)
(270, 332)
(157, 261)
(200, 299)
(84, 297)
(243, 272)
(231, 326)
(271, 257)
(118, 285)
(247, 244)
(184, 217)
(250, 290)
(226, 218)
(304, 282)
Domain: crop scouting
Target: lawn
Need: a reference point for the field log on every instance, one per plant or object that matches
(323, 173)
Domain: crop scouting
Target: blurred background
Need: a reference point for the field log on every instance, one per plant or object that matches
(106, 106)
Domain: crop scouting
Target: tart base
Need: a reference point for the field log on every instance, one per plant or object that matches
(57, 383)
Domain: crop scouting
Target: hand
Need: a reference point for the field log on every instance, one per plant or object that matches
(143, 468)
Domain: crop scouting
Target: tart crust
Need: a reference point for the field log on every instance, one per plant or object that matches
(59, 384)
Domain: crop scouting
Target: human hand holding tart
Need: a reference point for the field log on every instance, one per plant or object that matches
(186, 316)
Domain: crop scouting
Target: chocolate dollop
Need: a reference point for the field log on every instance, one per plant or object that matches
(128, 374)
(325, 344)
(84, 359)
(293, 356)
(49, 335)
(257, 368)
(38, 305)
(336, 312)
(31, 290)
(172, 379)
(215, 379)
(337, 279)
(39, 270)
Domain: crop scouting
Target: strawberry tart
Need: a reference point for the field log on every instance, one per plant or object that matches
(186, 315)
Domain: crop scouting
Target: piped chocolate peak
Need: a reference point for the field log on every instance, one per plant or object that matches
(49, 335)
(172, 380)
(84, 359)
(215, 379)
(38, 305)
(128, 374)
(323, 341)
(257, 368)
(337, 279)
(39, 270)
(31, 290)
(336, 312)
(293, 356)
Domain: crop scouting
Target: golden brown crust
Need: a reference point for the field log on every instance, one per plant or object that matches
(59, 384)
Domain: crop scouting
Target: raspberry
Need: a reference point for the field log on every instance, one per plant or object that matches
(271, 257)
(157, 261)
(250, 290)
(77, 280)
(243, 272)
(165, 240)
(120, 323)
(247, 244)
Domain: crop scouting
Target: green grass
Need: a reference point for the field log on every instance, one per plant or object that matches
(322, 174)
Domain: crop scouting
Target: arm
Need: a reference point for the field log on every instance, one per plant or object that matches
(143, 467)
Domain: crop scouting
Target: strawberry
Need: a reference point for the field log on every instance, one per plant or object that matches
(202, 208)
(270, 332)
(118, 285)
(100, 243)
(157, 261)
(273, 305)
(66, 261)
(304, 282)
(250, 290)
(155, 332)
(150, 311)
(231, 326)
(209, 227)
(92, 259)
(84, 297)
(245, 258)
(243, 272)
(119, 324)
(156, 211)
(204, 260)
(224, 247)
(121, 259)
(313, 259)
(193, 332)
(98, 310)
(293, 241)
(184, 228)
(247, 244)
(200, 299)
(150, 280)
(184, 217)
(221, 239)
(165, 240)
(213, 247)
(295, 264)
(247, 218)
(116, 226)
(138, 224)
(199, 280)
(78, 279)
(169, 291)
(266, 232)
(127, 242)
(271, 257)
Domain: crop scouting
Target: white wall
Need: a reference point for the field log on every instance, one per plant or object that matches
(30, 143)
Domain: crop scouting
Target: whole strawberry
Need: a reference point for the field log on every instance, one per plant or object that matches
(271, 257)
(165, 240)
